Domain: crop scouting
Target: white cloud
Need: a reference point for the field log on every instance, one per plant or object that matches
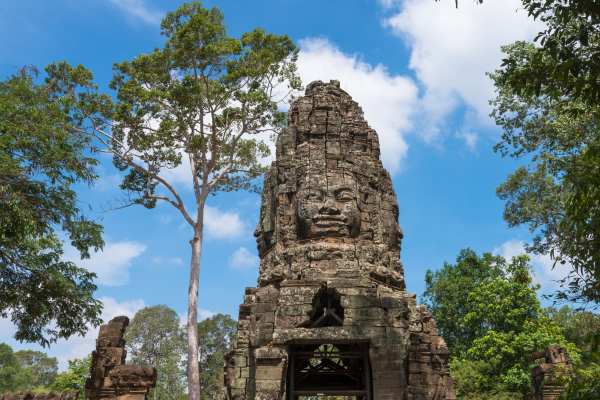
(469, 137)
(202, 315)
(167, 261)
(388, 101)
(139, 9)
(452, 49)
(112, 264)
(544, 271)
(75, 346)
(223, 224)
(242, 258)
(180, 175)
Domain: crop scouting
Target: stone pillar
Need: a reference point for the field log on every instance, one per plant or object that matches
(109, 377)
(551, 376)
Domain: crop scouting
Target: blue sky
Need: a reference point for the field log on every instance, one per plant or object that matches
(417, 68)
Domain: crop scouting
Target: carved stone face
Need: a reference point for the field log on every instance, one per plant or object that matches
(327, 206)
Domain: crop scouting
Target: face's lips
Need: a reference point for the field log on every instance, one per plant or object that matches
(328, 220)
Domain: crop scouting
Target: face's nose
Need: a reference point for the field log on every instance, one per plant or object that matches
(329, 207)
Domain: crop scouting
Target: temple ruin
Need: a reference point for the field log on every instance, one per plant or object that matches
(110, 378)
(330, 315)
(551, 376)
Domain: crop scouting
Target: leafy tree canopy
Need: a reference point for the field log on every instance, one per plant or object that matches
(41, 368)
(205, 96)
(216, 335)
(73, 379)
(583, 329)
(25, 370)
(204, 101)
(569, 50)
(548, 105)
(11, 375)
(155, 339)
(487, 310)
(43, 153)
(447, 289)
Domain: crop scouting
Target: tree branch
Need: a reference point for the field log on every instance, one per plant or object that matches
(177, 203)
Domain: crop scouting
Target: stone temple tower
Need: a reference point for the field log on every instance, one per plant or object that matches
(330, 315)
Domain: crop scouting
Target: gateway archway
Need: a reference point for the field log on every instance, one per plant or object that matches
(327, 370)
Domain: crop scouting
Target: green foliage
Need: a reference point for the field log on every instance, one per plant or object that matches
(11, 375)
(569, 49)
(43, 153)
(25, 370)
(581, 328)
(504, 356)
(205, 100)
(548, 104)
(473, 384)
(74, 378)
(487, 310)
(216, 335)
(205, 96)
(155, 339)
(585, 385)
(447, 289)
(40, 368)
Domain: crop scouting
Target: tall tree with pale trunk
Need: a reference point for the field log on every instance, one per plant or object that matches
(207, 102)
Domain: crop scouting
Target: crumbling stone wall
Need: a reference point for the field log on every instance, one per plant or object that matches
(329, 221)
(110, 377)
(551, 376)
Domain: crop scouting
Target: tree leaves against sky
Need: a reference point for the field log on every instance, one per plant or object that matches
(548, 105)
(44, 152)
(487, 310)
(204, 100)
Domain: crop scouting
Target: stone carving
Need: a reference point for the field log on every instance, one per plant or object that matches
(331, 293)
(327, 206)
(109, 377)
(551, 376)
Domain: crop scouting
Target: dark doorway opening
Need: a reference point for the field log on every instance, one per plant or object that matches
(329, 371)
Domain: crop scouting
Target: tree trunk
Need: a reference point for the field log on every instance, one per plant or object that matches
(193, 368)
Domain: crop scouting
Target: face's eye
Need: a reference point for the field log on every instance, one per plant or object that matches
(314, 195)
(344, 195)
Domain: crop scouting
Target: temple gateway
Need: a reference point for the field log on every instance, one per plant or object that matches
(330, 315)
